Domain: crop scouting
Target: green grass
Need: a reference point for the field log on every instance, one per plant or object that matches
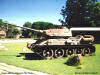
(54, 67)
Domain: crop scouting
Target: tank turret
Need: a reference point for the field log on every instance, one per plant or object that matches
(63, 32)
(59, 32)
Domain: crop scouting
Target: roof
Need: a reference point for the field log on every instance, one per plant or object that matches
(85, 29)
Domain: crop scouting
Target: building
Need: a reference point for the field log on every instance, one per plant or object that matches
(2, 34)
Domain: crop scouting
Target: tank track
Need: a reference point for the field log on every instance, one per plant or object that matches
(58, 51)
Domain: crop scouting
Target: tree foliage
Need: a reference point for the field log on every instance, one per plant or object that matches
(96, 11)
(27, 33)
(78, 13)
(42, 25)
(2, 24)
(10, 29)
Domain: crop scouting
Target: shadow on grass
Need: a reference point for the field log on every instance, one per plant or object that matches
(74, 65)
(31, 56)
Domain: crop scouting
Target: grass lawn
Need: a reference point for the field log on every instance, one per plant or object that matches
(90, 66)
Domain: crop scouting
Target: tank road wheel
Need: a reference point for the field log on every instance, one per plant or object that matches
(48, 54)
(70, 51)
(85, 51)
(59, 53)
(78, 51)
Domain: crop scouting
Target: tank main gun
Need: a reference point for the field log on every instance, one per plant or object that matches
(35, 30)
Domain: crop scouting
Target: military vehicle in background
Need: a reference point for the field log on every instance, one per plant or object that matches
(55, 43)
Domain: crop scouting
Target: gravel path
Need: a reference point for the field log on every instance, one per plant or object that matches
(13, 70)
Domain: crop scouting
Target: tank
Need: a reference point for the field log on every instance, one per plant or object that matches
(58, 43)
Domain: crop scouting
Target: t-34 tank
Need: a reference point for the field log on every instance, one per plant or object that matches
(55, 43)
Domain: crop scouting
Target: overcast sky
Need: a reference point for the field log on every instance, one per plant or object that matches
(21, 11)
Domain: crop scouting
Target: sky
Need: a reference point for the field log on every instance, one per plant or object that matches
(20, 11)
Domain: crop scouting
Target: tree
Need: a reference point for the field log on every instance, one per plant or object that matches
(78, 13)
(27, 33)
(12, 30)
(96, 17)
(16, 31)
(2, 24)
(42, 25)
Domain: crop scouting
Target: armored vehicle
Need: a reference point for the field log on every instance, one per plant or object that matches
(57, 43)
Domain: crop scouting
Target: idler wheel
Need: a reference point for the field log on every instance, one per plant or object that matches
(48, 54)
(59, 53)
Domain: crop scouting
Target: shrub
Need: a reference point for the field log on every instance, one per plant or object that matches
(74, 60)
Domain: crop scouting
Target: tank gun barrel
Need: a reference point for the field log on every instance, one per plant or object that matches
(35, 30)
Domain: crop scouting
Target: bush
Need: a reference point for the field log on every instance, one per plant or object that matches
(74, 60)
